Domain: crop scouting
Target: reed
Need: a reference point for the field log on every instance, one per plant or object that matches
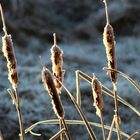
(98, 100)
(8, 52)
(57, 64)
(109, 43)
(49, 85)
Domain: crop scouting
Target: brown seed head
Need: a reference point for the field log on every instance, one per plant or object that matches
(109, 42)
(8, 51)
(97, 95)
(57, 63)
(49, 85)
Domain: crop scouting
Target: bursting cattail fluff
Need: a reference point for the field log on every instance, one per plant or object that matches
(8, 51)
(57, 63)
(109, 42)
(97, 95)
(49, 85)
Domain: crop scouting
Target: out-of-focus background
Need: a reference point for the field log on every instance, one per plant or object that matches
(79, 26)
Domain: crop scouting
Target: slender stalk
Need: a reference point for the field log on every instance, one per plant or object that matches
(67, 132)
(60, 124)
(133, 135)
(111, 129)
(106, 11)
(58, 134)
(78, 94)
(117, 120)
(102, 123)
(19, 115)
(3, 20)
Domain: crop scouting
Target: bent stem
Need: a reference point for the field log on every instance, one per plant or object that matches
(74, 122)
(126, 77)
(16, 102)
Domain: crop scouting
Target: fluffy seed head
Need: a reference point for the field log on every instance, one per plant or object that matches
(97, 95)
(57, 63)
(8, 51)
(49, 85)
(109, 42)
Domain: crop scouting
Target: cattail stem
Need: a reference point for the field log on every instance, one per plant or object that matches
(54, 38)
(103, 128)
(111, 129)
(57, 134)
(60, 124)
(3, 20)
(19, 115)
(117, 120)
(106, 11)
(67, 132)
(78, 94)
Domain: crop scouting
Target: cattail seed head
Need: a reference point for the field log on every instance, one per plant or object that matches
(8, 51)
(57, 63)
(49, 85)
(97, 95)
(109, 42)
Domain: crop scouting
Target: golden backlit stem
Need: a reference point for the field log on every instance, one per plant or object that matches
(3, 20)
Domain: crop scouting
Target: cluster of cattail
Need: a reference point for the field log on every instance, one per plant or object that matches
(49, 85)
(57, 63)
(97, 95)
(8, 51)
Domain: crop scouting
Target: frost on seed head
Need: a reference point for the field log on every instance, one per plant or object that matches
(49, 85)
(97, 95)
(8, 52)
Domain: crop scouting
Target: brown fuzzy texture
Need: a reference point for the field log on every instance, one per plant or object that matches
(8, 51)
(57, 63)
(49, 85)
(109, 42)
(97, 95)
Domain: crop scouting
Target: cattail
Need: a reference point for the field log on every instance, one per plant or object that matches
(97, 95)
(49, 85)
(8, 51)
(57, 63)
(109, 42)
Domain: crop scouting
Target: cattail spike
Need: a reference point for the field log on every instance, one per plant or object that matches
(57, 64)
(97, 95)
(54, 38)
(106, 11)
(49, 85)
(3, 20)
